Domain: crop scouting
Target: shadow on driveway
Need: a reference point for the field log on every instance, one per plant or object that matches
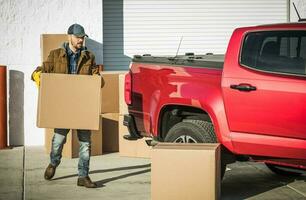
(243, 183)
(102, 182)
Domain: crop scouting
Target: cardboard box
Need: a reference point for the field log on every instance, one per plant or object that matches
(123, 108)
(185, 171)
(49, 42)
(131, 148)
(69, 101)
(112, 85)
(110, 132)
(71, 148)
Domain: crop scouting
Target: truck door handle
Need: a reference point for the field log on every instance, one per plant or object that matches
(243, 87)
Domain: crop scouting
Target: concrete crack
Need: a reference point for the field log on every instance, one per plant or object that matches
(296, 190)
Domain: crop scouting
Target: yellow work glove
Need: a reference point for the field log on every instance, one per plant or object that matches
(36, 77)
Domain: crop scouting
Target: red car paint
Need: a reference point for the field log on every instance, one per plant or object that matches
(269, 122)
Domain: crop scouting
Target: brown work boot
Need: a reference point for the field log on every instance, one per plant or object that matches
(50, 171)
(85, 181)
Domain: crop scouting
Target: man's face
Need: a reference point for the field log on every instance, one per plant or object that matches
(76, 42)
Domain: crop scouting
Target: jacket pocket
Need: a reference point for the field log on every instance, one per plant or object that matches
(48, 67)
(85, 69)
(60, 67)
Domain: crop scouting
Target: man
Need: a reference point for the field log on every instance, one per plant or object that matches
(70, 58)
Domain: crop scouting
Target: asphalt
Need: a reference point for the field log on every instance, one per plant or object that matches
(22, 168)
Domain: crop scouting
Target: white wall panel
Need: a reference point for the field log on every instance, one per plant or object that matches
(301, 7)
(156, 26)
(206, 26)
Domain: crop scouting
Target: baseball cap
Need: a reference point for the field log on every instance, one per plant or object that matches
(77, 30)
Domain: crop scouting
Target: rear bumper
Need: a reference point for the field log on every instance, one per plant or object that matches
(129, 122)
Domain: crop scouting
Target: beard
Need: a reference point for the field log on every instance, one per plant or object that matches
(77, 45)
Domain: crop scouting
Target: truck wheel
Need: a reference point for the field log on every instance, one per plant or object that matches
(280, 170)
(193, 131)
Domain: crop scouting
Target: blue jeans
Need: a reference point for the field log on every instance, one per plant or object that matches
(58, 141)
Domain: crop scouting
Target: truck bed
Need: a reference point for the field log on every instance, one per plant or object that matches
(207, 61)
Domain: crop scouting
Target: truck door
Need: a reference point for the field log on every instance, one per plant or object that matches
(266, 92)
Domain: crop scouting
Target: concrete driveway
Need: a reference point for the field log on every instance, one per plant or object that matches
(126, 178)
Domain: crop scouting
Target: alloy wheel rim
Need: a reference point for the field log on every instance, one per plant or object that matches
(185, 139)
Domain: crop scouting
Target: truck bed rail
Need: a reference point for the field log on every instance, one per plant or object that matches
(206, 61)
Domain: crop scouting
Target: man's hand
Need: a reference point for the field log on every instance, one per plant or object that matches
(36, 77)
(95, 70)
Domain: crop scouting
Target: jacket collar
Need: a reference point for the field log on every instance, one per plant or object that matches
(84, 51)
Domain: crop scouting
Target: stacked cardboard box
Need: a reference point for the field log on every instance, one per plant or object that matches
(185, 171)
(132, 148)
(110, 132)
(49, 42)
(112, 100)
(112, 107)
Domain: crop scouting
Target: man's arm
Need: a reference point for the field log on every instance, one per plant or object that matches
(94, 67)
(48, 65)
(45, 68)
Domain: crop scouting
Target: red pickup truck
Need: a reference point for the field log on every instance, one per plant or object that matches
(252, 100)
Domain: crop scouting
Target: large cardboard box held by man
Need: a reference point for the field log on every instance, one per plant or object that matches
(185, 171)
(69, 101)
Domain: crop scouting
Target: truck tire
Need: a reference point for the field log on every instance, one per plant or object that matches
(283, 171)
(193, 131)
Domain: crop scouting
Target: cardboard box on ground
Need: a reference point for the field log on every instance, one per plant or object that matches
(185, 171)
(113, 141)
(110, 130)
(133, 148)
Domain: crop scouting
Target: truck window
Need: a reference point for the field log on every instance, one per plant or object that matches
(275, 51)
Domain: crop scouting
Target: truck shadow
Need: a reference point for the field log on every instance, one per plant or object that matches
(246, 182)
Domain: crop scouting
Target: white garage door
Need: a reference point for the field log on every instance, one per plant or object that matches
(156, 26)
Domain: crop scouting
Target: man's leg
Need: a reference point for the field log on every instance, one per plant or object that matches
(84, 158)
(58, 141)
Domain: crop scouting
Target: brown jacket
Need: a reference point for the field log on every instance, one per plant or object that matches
(57, 62)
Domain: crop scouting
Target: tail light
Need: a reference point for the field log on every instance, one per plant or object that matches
(128, 88)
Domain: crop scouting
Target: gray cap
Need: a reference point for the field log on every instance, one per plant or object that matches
(77, 30)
